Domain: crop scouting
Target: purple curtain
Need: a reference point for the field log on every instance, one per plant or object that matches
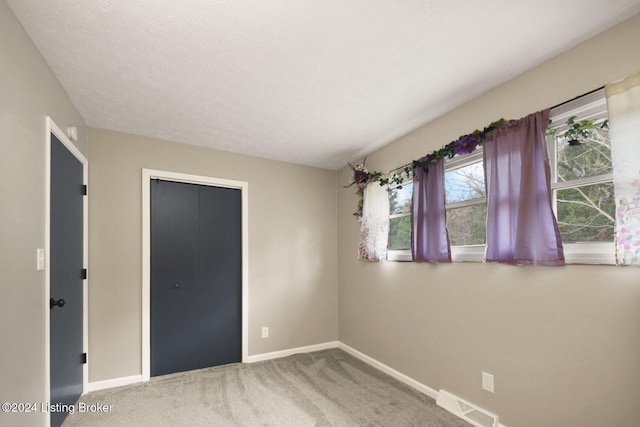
(521, 226)
(429, 238)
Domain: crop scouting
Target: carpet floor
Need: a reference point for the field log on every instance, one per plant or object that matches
(324, 388)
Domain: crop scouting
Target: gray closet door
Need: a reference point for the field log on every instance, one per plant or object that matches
(196, 276)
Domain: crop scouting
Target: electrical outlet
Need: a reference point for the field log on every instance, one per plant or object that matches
(487, 382)
(265, 332)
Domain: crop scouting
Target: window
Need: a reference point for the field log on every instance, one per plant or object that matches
(466, 206)
(581, 182)
(582, 179)
(399, 245)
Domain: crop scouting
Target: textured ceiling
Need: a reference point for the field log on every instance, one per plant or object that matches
(311, 82)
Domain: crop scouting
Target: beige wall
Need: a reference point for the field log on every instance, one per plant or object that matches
(28, 93)
(292, 246)
(563, 343)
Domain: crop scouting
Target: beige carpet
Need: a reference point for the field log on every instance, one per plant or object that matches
(324, 388)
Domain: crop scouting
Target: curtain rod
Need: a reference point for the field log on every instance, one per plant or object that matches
(579, 96)
(401, 167)
(551, 108)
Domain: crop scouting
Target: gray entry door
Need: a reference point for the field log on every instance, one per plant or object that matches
(66, 278)
(196, 276)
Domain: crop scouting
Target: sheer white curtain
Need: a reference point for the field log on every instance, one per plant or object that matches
(623, 101)
(374, 224)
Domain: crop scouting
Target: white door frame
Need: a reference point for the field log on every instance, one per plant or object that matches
(52, 128)
(147, 176)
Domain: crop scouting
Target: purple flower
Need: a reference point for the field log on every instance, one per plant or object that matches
(361, 178)
(465, 144)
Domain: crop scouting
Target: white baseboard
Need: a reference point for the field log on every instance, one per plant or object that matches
(115, 382)
(283, 353)
(390, 371)
(119, 382)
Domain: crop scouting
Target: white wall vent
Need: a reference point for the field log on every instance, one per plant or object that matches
(467, 411)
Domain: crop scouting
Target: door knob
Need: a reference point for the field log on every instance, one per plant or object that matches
(53, 302)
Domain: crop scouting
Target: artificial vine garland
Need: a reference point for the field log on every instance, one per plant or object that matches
(361, 178)
(466, 144)
(579, 130)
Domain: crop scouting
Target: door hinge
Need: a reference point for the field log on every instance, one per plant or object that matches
(84, 274)
(84, 190)
(84, 358)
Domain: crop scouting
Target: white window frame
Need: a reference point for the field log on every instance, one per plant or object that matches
(466, 253)
(461, 253)
(399, 254)
(592, 106)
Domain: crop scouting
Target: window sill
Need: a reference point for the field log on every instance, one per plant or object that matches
(469, 253)
(590, 253)
(574, 253)
(403, 255)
